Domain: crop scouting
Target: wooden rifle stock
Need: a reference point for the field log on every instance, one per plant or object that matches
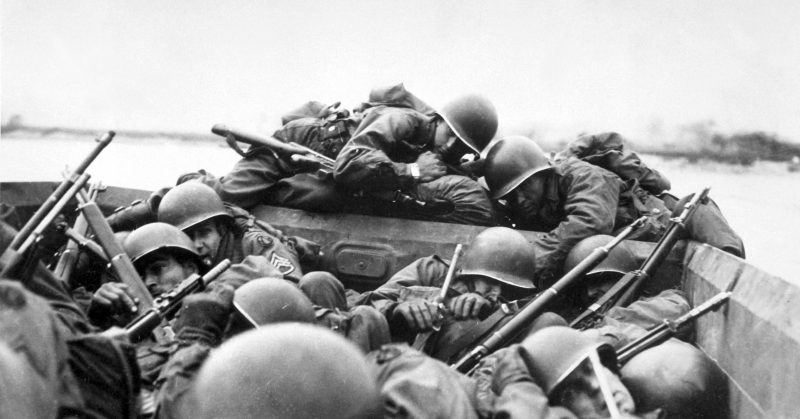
(537, 306)
(625, 289)
(119, 260)
(168, 303)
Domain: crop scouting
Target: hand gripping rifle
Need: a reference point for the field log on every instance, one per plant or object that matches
(310, 161)
(537, 306)
(168, 303)
(31, 232)
(442, 309)
(627, 287)
(669, 328)
(296, 153)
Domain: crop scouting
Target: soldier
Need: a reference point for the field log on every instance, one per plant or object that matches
(607, 151)
(219, 232)
(209, 318)
(498, 268)
(286, 370)
(570, 200)
(403, 150)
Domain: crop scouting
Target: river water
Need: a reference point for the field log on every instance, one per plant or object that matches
(761, 202)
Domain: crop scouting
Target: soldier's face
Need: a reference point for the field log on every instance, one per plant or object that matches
(528, 197)
(581, 394)
(207, 238)
(163, 272)
(447, 144)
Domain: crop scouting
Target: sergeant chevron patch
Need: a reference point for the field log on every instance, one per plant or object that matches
(283, 265)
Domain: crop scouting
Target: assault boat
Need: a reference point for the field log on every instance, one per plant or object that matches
(755, 337)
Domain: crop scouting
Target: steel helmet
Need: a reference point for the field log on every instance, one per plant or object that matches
(287, 370)
(272, 300)
(511, 161)
(189, 204)
(473, 119)
(620, 260)
(552, 353)
(502, 254)
(155, 237)
(678, 378)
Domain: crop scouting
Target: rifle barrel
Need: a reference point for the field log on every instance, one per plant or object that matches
(536, 307)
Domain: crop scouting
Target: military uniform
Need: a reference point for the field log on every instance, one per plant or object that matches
(580, 200)
(422, 280)
(606, 150)
(504, 382)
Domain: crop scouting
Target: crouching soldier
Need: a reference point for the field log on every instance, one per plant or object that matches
(498, 270)
(569, 200)
(223, 232)
(407, 155)
(561, 372)
(259, 305)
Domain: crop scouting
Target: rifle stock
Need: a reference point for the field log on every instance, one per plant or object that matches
(537, 306)
(116, 255)
(167, 304)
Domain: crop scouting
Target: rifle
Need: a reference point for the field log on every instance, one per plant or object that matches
(537, 306)
(627, 287)
(32, 230)
(314, 161)
(168, 303)
(669, 328)
(69, 256)
(446, 287)
(296, 153)
(116, 255)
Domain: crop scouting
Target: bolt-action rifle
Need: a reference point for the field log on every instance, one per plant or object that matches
(669, 328)
(538, 305)
(32, 231)
(296, 153)
(167, 304)
(311, 161)
(627, 287)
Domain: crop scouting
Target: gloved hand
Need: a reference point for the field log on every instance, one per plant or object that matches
(418, 315)
(204, 316)
(468, 305)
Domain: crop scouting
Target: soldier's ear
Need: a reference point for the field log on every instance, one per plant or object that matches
(189, 267)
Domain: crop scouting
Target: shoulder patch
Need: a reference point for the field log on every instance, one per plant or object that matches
(283, 264)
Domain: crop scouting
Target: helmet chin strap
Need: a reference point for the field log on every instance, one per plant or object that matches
(605, 388)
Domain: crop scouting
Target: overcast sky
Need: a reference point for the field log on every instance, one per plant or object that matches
(638, 67)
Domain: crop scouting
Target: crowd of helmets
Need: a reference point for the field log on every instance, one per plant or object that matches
(255, 345)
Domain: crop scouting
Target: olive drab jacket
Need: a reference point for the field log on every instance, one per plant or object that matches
(250, 240)
(582, 200)
(388, 139)
(506, 389)
(607, 151)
